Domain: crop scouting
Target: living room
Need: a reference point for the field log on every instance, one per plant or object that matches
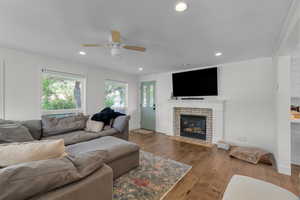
(149, 100)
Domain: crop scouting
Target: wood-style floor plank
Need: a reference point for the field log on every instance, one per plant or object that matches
(212, 168)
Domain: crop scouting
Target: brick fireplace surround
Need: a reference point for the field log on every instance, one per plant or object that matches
(207, 112)
(212, 108)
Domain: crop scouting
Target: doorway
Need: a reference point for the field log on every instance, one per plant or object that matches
(148, 106)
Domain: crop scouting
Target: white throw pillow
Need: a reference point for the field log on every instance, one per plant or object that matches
(94, 126)
(15, 153)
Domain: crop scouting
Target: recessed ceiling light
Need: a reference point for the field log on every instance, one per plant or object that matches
(218, 54)
(82, 53)
(180, 6)
(141, 69)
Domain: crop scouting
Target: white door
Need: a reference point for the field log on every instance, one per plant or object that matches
(148, 105)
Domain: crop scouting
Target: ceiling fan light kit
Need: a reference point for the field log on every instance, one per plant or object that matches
(181, 6)
(115, 44)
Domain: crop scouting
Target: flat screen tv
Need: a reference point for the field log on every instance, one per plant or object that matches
(196, 83)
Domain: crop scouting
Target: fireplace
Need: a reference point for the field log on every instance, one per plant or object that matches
(193, 126)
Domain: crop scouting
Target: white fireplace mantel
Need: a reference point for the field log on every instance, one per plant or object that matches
(217, 107)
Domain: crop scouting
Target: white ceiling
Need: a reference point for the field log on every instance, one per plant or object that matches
(241, 29)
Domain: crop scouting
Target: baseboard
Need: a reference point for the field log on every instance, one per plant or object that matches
(296, 161)
(283, 169)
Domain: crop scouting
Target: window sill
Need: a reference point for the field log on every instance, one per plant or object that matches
(58, 112)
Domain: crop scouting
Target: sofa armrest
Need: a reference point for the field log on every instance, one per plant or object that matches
(97, 186)
(121, 124)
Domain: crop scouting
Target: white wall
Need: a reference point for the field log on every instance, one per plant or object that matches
(1, 89)
(282, 108)
(295, 100)
(248, 88)
(22, 84)
(295, 77)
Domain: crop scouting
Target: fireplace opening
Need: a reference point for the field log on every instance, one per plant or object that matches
(193, 126)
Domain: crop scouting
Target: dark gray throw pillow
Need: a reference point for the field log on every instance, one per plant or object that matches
(34, 127)
(121, 123)
(55, 126)
(47, 175)
(14, 132)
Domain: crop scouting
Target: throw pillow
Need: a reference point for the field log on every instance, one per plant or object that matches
(251, 154)
(34, 127)
(55, 126)
(27, 180)
(14, 132)
(94, 126)
(14, 153)
(121, 123)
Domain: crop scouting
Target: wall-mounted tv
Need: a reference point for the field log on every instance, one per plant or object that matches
(196, 83)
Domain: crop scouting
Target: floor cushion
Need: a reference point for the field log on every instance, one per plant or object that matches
(251, 154)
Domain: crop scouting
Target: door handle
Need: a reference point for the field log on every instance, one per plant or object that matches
(154, 107)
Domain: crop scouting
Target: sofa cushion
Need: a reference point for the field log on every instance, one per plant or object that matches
(14, 132)
(55, 126)
(34, 127)
(107, 132)
(3, 121)
(121, 123)
(81, 136)
(47, 175)
(15, 153)
(73, 137)
(115, 147)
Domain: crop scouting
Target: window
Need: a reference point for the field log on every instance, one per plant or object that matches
(62, 93)
(116, 95)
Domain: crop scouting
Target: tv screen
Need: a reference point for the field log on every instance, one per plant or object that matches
(196, 83)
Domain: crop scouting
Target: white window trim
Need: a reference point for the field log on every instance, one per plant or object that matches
(126, 97)
(80, 77)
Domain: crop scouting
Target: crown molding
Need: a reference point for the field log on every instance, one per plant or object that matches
(288, 26)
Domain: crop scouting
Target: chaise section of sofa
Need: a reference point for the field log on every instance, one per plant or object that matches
(97, 186)
(122, 156)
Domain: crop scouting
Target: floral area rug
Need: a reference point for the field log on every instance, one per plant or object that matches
(152, 180)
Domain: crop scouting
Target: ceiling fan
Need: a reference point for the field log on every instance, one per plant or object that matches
(115, 44)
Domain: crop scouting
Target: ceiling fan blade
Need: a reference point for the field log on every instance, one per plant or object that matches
(115, 36)
(134, 48)
(94, 45)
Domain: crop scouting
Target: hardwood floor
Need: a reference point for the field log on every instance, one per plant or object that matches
(212, 168)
